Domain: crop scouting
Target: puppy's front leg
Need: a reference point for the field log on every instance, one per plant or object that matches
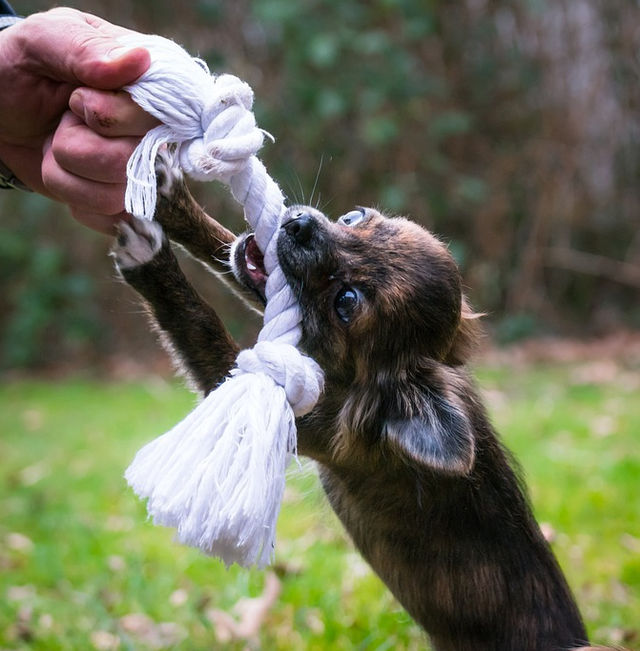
(187, 224)
(190, 329)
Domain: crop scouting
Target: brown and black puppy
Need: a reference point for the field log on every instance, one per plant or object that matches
(407, 455)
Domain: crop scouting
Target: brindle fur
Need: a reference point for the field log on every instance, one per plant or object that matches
(407, 455)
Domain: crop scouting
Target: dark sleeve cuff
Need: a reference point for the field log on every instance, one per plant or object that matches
(7, 21)
(8, 16)
(9, 181)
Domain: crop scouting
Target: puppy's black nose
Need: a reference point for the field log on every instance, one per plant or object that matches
(300, 227)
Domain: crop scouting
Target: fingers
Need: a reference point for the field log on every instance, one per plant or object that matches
(85, 194)
(86, 170)
(79, 150)
(113, 65)
(84, 163)
(111, 113)
(106, 224)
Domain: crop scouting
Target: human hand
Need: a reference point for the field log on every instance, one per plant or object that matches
(48, 63)
(85, 160)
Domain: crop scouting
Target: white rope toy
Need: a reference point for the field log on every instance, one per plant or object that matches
(218, 476)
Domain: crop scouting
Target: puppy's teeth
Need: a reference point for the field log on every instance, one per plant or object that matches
(251, 267)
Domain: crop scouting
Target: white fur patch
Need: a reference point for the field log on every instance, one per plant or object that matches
(167, 171)
(137, 243)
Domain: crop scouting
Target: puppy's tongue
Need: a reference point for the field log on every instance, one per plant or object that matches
(254, 261)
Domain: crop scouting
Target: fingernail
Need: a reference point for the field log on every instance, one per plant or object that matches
(76, 103)
(118, 52)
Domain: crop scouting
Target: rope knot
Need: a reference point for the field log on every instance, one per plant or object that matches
(229, 135)
(299, 375)
(208, 118)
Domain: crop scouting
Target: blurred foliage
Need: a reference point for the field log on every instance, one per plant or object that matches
(50, 304)
(510, 127)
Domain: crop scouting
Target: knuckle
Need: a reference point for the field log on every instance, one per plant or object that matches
(51, 174)
(110, 201)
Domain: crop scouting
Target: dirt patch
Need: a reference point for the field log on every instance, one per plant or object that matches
(622, 347)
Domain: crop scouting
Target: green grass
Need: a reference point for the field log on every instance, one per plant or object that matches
(82, 569)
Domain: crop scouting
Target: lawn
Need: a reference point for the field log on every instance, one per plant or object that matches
(82, 569)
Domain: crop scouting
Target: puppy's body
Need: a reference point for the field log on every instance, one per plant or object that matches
(407, 455)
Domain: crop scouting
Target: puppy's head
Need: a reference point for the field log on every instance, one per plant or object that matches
(383, 314)
(375, 292)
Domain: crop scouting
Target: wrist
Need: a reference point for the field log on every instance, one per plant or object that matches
(8, 180)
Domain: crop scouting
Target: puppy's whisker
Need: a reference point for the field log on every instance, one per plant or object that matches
(327, 204)
(295, 199)
(315, 184)
(228, 271)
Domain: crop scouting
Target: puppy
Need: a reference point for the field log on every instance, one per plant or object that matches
(407, 455)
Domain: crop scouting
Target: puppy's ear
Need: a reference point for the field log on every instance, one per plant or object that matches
(439, 436)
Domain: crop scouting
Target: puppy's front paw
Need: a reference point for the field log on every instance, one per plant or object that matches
(137, 243)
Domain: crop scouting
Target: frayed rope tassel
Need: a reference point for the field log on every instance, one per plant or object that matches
(218, 476)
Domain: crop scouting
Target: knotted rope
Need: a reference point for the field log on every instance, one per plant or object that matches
(218, 476)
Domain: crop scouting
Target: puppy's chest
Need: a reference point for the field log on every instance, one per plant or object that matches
(374, 504)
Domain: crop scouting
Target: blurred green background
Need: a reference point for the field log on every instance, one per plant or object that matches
(509, 127)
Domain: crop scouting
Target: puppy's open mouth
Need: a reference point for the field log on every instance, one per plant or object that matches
(248, 266)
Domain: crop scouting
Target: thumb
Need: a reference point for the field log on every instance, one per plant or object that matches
(80, 49)
(105, 65)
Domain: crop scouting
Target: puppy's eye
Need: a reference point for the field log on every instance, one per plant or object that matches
(346, 302)
(353, 217)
